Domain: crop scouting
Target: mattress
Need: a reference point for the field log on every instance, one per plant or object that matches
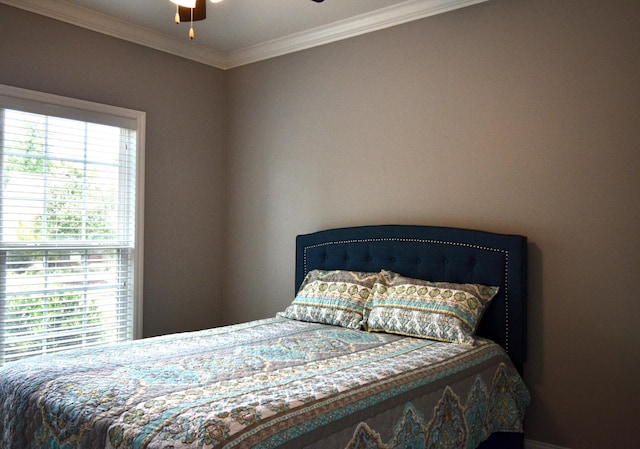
(273, 383)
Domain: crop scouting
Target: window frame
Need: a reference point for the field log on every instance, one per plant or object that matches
(60, 106)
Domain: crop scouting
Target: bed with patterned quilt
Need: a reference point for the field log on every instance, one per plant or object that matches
(397, 337)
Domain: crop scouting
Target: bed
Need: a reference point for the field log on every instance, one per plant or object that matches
(345, 365)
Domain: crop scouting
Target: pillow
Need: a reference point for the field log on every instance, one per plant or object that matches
(435, 310)
(332, 297)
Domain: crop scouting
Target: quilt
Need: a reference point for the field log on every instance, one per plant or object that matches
(273, 383)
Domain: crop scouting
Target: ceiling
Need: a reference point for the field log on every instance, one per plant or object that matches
(238, 32)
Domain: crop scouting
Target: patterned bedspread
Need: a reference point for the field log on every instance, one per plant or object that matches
(264, 384)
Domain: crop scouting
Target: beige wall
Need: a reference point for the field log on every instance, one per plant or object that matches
(184, 150)
(511, 116)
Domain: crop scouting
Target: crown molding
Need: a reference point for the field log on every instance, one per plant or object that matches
(407, 11)
(121, 29)
(377, 20)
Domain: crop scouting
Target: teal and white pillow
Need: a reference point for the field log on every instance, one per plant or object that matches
(436, 310)
(334, 297)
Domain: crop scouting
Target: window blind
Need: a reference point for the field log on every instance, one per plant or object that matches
(69, 207)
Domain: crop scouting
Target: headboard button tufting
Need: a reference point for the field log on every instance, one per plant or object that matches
(434, 253)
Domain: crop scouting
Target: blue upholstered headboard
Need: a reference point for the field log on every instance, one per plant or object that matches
(436, 254)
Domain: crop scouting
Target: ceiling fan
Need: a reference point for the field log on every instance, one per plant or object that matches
(193, 10)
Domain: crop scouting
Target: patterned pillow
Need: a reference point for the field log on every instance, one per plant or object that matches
(435, 310)
(332, 297)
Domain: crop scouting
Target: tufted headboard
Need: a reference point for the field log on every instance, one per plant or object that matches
(435, 254)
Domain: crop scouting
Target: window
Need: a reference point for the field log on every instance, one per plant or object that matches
(70, 223)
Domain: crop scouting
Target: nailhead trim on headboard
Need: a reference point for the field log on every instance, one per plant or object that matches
(436, 242)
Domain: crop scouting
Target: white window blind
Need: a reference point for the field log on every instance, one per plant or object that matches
(70, 215)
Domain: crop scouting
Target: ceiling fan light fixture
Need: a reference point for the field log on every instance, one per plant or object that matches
(185, 3)
(199, 11)
(190, 10)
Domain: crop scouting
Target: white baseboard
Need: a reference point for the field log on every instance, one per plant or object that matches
(531, 444)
